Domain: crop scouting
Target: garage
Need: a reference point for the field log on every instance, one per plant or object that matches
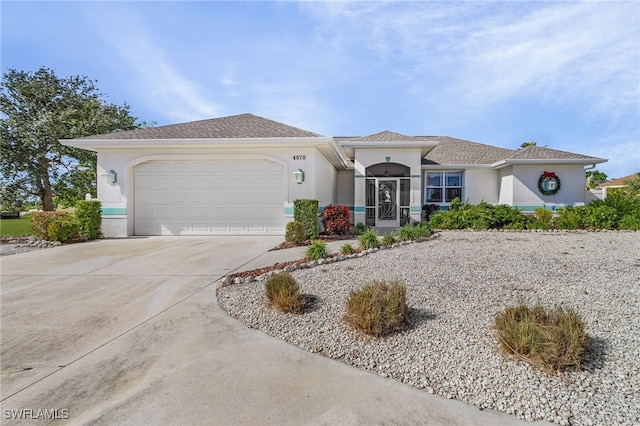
(227, 197)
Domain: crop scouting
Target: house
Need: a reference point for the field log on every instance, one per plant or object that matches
(616, 184)
(239, 175)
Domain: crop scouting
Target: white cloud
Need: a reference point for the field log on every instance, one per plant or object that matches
(479, 54)
(154, 78)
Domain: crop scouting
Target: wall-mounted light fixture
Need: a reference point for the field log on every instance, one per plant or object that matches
(299, 176)
(111, 175)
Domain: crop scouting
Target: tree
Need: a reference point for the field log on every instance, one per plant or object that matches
(526, 144)
(594, 178)
(37, 109)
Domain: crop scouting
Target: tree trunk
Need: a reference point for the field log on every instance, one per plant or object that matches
(47, 197)
(45, 194)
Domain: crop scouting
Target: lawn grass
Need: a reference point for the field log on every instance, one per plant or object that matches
(16, 227)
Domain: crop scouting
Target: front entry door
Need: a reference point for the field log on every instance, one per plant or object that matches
(387, 209)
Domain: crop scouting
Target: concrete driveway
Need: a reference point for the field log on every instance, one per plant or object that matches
(129, 332)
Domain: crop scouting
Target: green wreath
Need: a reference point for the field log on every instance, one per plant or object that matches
(549, 183)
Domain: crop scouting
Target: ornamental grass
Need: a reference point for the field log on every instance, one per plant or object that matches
(284, 294)
(378, 309)
(551, 339)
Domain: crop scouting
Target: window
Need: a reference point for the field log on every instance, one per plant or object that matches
(443, 187)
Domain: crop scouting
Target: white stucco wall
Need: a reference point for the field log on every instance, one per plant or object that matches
(525, 186)
(117, 200)
(325, 181)
(505, 177)
(481, 185)
(345, 188)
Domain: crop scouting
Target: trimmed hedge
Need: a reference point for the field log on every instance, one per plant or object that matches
(55, 225)
(306, 212)
(88, 213)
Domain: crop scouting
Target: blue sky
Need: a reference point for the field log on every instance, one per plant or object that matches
(563, 74)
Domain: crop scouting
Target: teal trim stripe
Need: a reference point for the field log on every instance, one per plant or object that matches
(532, 208)
(416, 176)
(416, 209)
(114, 211)
(359, 176)
(359, 209)
(288, 210)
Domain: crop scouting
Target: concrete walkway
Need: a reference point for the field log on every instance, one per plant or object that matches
(129, 332)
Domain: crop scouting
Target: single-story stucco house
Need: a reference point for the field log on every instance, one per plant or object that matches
(239, 175)
(616, 184)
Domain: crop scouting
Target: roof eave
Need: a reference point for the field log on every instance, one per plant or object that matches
(584, 161)
(99, 144)
(455, 166)
(424, 146)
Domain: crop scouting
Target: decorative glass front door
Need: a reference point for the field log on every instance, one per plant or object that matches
(387, 211)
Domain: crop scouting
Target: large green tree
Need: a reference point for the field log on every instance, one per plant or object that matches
(594, 178)
(37, 109)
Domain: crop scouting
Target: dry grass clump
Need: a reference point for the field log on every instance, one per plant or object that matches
(378, 309)
(552, 339)
(283, 293)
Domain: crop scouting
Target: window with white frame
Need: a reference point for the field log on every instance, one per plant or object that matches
(442, 187)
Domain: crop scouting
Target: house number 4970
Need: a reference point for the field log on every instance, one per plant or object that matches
(299, 157)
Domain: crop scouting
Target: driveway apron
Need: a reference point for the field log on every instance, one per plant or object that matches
(128, 331)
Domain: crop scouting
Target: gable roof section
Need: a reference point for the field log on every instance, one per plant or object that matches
(623, 181)
(458, 151)
(386, 136)
(533, 152)
(243, 126)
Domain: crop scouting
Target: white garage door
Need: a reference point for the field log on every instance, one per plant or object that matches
(209, 198)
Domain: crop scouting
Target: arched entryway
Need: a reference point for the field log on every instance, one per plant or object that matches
(387, 195)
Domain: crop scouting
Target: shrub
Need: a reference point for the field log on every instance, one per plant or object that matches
(378, 309)
(306, 212)
(543, 219)
(368, 240)
(463, 216)
(508, 217)
(568, 218)
(283, 293)
(63, 228)
(347, 249)
(553, 339)
(336, 220)
(601, 216)
(413, 232)
(317, 250)
(428, 210)
(388, 240)
(359, 229)
(630, 222)
(41, 222)
(295, 232)
(89, 218)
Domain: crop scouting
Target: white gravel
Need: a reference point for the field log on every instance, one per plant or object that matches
(456, 284)
(17, 245)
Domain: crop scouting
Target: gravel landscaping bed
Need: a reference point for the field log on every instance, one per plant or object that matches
(456, 284)
(17, 245)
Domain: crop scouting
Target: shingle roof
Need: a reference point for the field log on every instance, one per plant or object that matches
(235, 126)
(623, 181)
(457, 151)
(533, 152)
(385, 136)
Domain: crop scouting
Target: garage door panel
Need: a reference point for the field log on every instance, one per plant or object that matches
(209, 198)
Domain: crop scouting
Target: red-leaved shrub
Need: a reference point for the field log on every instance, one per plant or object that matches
(335, 220)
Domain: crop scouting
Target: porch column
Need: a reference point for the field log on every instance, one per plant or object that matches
(416, 194)
(359, 211)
